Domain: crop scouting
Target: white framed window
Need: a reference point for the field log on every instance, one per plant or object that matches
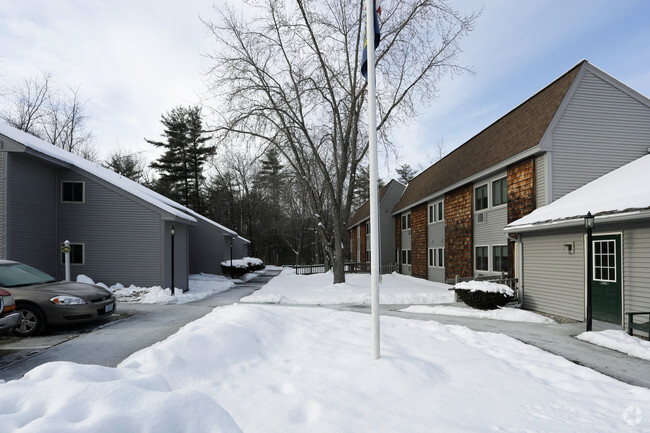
(481, 258)
(73, 191)
(367, 256)
(481, 197)
(436, 212)
(500, 258)
(604, 268)
(406, 221)
(368, 228)
(441, 257)
(432, 256)
(406, 257)
(77, 254)
(500, 191)
(436, 257)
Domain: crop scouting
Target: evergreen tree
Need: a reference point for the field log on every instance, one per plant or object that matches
(406, 173)
(181, 166)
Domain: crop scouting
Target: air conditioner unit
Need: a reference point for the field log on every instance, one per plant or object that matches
(409, 232)
(481, 217)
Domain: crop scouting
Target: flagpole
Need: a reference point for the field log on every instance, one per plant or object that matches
(372, 156)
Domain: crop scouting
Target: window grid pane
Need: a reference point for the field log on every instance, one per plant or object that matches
(605, 260)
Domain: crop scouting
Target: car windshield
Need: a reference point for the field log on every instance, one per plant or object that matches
(18, 274)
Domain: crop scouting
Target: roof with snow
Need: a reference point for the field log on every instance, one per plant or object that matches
(624, 192)
(49, 151)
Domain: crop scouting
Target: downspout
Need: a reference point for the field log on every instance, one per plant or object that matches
(519, 271)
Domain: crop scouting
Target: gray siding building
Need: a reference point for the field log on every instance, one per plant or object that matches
(119, 231)
(554, 247)
(581, 126)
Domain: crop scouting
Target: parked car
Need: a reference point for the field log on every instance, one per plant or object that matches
(43, 302)
(8, 315)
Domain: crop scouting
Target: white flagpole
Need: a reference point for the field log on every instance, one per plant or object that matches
(374, 202)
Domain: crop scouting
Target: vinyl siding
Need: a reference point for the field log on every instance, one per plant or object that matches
(601, 129)
(436, 239)
(3, 205)
(541, 195)
(209, 247)
(636, 269)
(122, 237)
(31, 212)
(554, 280)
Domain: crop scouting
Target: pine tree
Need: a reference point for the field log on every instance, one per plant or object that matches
(406, 173)
(181, 166)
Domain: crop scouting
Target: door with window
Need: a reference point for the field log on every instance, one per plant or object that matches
(607, 295)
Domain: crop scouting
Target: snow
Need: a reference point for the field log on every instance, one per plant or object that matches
(265, 368)
(624, 189)
(201, 286)
(506, 314)
(243, 263)
(317, 289)
(619, 341)
(485, 286)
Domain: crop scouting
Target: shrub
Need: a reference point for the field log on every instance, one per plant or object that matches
(484, 295)
(238, 268)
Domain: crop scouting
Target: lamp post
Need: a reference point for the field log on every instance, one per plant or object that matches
(589, 225)
(232, 238)
(172, 232)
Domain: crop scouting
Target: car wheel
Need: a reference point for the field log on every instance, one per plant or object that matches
(31, 321)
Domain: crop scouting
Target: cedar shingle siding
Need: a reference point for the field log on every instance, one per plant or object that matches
(458, 232)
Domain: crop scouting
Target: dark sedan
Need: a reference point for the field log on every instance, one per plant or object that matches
(44, 302)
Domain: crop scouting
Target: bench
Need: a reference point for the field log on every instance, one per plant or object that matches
(644, 326)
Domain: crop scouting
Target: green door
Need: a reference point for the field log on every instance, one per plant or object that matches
(606, 288)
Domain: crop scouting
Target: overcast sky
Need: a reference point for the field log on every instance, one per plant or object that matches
(134, 60)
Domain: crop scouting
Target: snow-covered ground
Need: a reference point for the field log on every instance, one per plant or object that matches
(262, 368)
(317, 289)
(270, 368)
(508, 314)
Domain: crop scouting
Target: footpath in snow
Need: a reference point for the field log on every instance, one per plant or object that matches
(269, 368)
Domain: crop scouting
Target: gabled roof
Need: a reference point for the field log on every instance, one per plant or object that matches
(519, 130)
(622, 192)
(48, 151)
(363, 212)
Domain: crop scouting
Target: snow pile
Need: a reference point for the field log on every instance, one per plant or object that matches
(507, 314)
(201, 287)
(485, 286)
(274, 369)
(317, 289)
(619, 341)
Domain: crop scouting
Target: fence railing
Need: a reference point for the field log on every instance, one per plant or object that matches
(350, 267)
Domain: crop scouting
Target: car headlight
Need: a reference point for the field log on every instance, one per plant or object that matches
(67, 300)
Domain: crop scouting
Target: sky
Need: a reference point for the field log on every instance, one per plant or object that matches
(135, 60)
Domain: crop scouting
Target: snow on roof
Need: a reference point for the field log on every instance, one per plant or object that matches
(626, 189)
(126, 184)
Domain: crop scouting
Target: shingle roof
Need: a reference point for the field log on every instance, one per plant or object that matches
(363, 212)
(519, 130)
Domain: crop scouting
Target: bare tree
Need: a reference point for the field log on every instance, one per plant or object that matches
(290, 78)
(42, 110)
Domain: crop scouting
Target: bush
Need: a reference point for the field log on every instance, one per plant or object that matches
(241, 267)
(484, 295)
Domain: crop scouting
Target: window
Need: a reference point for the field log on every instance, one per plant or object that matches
(406, 257)
(481, 258)
(441, 257)
(500, 258)
(76, 254)
(605, 260)
(406, 221)
(500, 191)
(431, 256)
(368, 228)
(481, 197)
(432, 213)
(367, 256)
(436, 212)
(441, 211)
(72, 192)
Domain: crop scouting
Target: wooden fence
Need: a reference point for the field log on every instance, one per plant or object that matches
(350, 267)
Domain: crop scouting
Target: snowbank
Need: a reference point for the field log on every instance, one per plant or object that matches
(619, 341)
(317, 289)
(276, 369)
(507, 314)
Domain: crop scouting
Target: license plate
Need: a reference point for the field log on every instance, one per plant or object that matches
(109, 308)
